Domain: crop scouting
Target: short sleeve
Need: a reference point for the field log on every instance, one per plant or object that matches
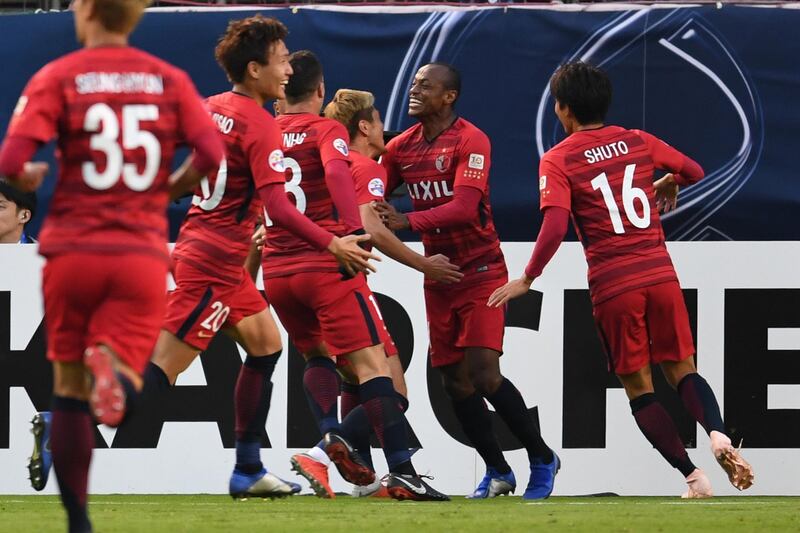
(370, 179)
(264, 153)
(554, 189)
(193, 117)
(39, 108)
(665, 157)
(474, 160)
(333, 143)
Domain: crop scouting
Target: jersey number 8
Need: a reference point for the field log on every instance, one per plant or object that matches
(100, 118)
(292, 186)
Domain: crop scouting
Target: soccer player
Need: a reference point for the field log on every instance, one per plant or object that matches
(118, 114)
(325, 311)
(602, 176)
(214, 292)
(356, 111)
(444, 160)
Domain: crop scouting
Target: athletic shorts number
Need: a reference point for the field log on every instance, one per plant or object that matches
(217, 317)
(293, 187)
(210, 200)
(629, 194)
(100, 118)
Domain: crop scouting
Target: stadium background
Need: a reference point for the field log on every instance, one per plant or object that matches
(716, 83)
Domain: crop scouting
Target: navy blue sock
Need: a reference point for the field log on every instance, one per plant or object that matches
(155, 380)
(357, 426)
(476, 422)
(379, 401)
(321, 385)
(251, 401)
(700, 401)
(509, 404)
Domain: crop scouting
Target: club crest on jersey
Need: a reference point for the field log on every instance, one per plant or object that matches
(442, 163)
(476, 161)
(376, 188)
(276, 161)
(340, 145)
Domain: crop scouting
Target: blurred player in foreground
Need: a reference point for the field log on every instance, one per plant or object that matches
(444, 160)
(327, 311)
(602, 175)
(119, 114)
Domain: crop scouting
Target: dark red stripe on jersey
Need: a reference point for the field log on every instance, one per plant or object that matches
(195, 314)
(625, 270)
(599, 295)
(373, 330)
(248, 198)
(615, 170)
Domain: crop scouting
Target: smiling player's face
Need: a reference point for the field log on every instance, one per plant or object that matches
(273, 76)
(428, 94)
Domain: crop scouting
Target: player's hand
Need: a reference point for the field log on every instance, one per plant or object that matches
(351, 256)
(509, 291)
(259, 238)
(439, 268)
(32, 176)
(391, 217)
(666, 193)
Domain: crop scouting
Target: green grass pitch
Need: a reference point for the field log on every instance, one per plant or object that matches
(172, 514)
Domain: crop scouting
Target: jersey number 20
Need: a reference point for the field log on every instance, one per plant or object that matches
(629, 194)
(100, 118)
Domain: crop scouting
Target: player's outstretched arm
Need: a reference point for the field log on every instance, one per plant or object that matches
(348, 253)
(554, 228)
(16, 167)
(437, 268)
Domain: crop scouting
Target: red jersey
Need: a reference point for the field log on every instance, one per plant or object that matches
(118, 113)
(369, 178)
(460, 156)
(309, 143)
(605, 178)
(215, 236)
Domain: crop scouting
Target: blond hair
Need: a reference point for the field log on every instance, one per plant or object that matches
(120, 16)
(349, 107)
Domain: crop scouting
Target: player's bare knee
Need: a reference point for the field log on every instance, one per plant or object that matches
(71, 380)
(486, 383)
(675, 371)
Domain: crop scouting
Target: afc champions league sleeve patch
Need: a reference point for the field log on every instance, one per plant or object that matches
(340, 145)
(276, 161)
(376, 187)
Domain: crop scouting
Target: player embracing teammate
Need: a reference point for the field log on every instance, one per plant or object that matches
(444, 161)
(602, 176)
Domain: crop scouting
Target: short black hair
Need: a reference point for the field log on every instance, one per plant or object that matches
(247, 40)
(452, 81)
(24, 200)
(584, 88)
(306, 76)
